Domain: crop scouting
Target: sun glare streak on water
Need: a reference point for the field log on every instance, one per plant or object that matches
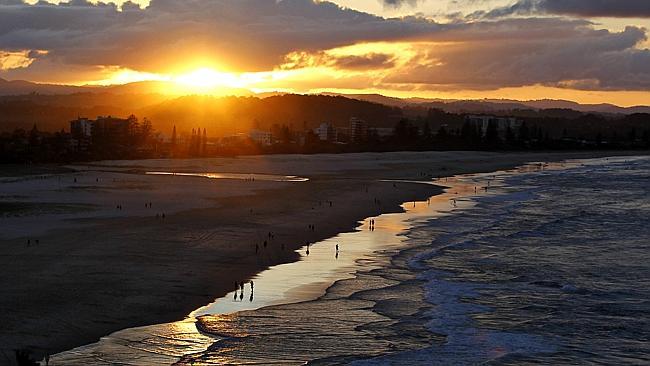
(238, 176)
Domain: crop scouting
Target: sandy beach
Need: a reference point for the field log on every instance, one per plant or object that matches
(84, 254)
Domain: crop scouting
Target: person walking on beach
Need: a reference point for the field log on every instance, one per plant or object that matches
(241, 295)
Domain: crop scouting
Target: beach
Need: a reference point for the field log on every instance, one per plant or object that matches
(107, 259)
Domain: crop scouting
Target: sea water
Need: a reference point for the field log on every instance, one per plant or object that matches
(548, 264)
(552, 266)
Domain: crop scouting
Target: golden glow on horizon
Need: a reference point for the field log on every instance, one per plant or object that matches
(335, 71)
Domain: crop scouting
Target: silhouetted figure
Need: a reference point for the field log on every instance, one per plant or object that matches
(251, 297)
(163, 215)
(265, 243)
(235, 297)
(75, 180)
(37, 242)
(252, 285)
(308, 249)
(241, 295)
(257, 248)
(47, 360)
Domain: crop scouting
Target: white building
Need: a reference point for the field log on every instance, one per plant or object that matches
(81, 128)
(358, 130)
(261, 137)
(502, 123)
(326, 132)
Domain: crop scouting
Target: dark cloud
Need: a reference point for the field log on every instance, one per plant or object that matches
(400, 3)
(364, 62)
(254, 35)
(574, 55)
(248, 35)
(579, 8)
(368, 61)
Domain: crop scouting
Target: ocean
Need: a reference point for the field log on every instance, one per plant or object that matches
(548, 264)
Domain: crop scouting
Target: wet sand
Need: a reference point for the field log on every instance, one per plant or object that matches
(95, 273)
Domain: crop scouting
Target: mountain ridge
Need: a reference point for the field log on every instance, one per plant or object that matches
(23, 87)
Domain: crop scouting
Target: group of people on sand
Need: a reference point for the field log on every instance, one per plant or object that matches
(265, 243)
(239, 291)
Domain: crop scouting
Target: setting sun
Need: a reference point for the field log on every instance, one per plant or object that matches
(206, 78)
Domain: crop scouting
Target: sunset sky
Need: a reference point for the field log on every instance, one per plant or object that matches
(584, 50)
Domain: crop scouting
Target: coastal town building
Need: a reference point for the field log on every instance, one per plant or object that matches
(358, 130)
(502, 124)
(83, 128)
(326, 132)
(264, 138)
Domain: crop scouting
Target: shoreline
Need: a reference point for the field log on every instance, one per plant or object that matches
(196, 286)
(306, 280)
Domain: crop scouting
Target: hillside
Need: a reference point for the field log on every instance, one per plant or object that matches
(220, 115)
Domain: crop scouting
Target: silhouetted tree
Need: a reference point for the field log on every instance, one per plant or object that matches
(492, 134)
(523, 132)
(426, 131)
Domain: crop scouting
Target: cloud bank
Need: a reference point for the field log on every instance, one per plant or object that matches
(78, 39)
(577, 8)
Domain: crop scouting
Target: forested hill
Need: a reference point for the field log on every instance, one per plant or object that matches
(220, 115)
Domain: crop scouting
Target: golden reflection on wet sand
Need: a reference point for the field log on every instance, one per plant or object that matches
(307, 279)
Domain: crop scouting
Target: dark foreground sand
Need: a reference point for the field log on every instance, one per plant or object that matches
(95, 274)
